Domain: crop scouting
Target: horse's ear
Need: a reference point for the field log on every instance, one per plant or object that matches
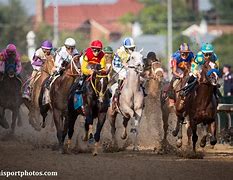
(141, 50)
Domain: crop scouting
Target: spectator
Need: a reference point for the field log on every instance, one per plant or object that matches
(228, 80)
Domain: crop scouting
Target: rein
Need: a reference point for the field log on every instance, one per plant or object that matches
(73, 67)
(98, 93)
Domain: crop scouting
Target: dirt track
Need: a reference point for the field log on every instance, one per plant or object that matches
(123, 165)
(32, 151)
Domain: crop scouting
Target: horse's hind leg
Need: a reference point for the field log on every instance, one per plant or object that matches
(213, 139)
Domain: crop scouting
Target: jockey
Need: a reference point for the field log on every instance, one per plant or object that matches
(37, 61)
(10, 52)
(206, 54)
(180, 59)
(93, 55)
(120, 60)
(63, 57)
(108, 56)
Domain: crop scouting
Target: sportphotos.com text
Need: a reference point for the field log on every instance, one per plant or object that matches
(27, 173)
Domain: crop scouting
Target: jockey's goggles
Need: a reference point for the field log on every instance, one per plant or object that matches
(70, 47)
(131, 49)
(207, 54)
(46, 50)
(184, 54)
(10, 52)
(96, 50)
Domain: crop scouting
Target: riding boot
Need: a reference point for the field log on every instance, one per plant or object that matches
(118, 90)
(171, 93)
(48, 82)
(143, 90)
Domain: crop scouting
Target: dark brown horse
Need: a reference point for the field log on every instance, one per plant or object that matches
(96, 100)
(59, 93)
(201, 107)
(10, 95)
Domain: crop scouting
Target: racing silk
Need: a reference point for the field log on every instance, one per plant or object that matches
(3, 58)
(62, 55)
(179, 61)
(38, 59)
(89, 58)
(200, 60)
(121, 56)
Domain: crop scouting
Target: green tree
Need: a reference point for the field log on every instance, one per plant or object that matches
(224, 10)
(154, 16)
(223, 49)
(14, 25)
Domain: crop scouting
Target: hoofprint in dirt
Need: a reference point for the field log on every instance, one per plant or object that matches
(18, 156)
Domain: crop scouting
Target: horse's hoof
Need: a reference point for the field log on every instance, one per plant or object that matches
(4, 124)
(124, 136)
(179, 143)
(213, 140)
(175, 133)
(203, 143)
(133, 130)
(43, 125)
(136, 148)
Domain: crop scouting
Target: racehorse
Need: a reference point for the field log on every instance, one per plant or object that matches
(59, 93)
(154, 74)
(10, 95)
(33, 105)
(202, 105)
(96, 100)
(131, 100)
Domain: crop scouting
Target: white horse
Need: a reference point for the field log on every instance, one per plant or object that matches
(131, 100)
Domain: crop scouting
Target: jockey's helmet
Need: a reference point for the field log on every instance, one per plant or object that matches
(184, 47)
(207, 48)
(11, 48)
(47, 45)
(108, 50)
(70, 42)
(97, 44)
(129, 43)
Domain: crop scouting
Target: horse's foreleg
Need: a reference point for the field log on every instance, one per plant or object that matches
(3, 121)
(112, 121)
(88, 129)
(59, 126)
(180, 135)
(99, 126)
(19, 122)
(203, 139)
(71, 123)
(194, 137)
(213, 139)
(135, 129)
(15, 113)
(125, 124)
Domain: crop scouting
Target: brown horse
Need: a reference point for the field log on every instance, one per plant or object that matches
(155, 75)
(201, 106)
(33, 105)
(59, 93)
